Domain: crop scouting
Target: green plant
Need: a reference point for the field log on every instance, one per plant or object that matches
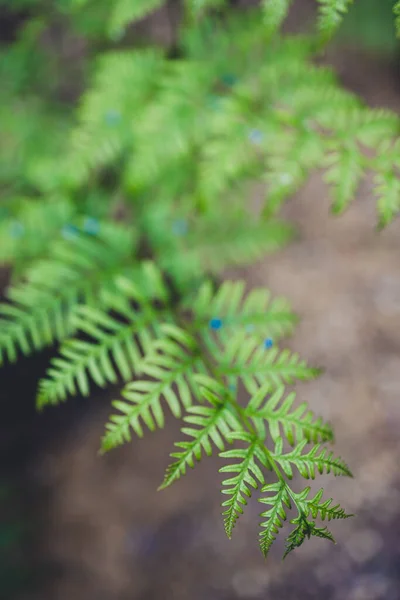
(119, 214)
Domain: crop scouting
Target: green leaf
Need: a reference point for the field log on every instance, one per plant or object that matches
(318, 458)
(323, 510)
(249, 360)
(172, 367)
(213, 424)
(305, 529)
(296, 424)
(247, 475)
(275, 12)
(275, 515)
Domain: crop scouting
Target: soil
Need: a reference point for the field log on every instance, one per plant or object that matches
(103, 532)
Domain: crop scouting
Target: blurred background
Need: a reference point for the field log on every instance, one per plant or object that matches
(74, 525)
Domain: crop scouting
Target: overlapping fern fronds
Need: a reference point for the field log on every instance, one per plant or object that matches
(82, 270)
(284, 119)
(190, 358)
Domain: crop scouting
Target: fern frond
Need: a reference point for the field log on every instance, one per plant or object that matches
(256, 313)
(171, 363)
(318, 458)
(125, 12)
(117, 341)
(255, 364)
(323, 510)
(113, 353)
(275, 515)
(275, 12)
(103, 132)
(249, 475)
(40, 308)
(213, 423)
(387, 182)
(212, 245)
(297, 424)
(346, 168)
(331, 13)
(27, 227)
(305, 529)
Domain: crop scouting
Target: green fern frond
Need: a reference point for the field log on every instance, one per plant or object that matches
(318, 458)
(117, 344)
(323, 510)
(296, 424)
(125, 12)
(275, 12)
(249, 475)
(275, 515)
(214, 424)
(27, 226)
(113, 353)
(305, 529)
(346, 168)
(387, 182)
(331, 13)
(245, 357)
(80, 270)
(212, 245)
(171, 364)
(104, 128)
(255, 313)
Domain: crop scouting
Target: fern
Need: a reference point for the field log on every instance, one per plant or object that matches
(249, 475)
(255, 364)
(127, 11)
(174, 366)
(41, 307)
(331, 15)
(117, 341)
(275, 12)
(215, 424)
(297, 424)
(317, 458)
(116, 213)
(275, 515)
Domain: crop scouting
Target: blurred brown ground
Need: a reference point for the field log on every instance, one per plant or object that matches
(108, 535)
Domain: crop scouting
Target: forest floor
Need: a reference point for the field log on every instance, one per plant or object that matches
(106, 534)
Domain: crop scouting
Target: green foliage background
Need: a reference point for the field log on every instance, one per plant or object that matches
(120, 211)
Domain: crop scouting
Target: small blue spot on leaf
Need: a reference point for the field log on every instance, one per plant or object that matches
(180, 227)
(70, 232)
(268, 343)
(216, 323)
(256, 136)
(17, 230)
(91, 226)
(113, 117)
(232, 387)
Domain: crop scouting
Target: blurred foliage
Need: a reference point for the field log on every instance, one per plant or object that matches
(370, 24)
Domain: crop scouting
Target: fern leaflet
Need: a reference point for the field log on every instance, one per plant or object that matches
(318, 458)
(275, 515)
(214, 425)
(296, 424)
(249, 475)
